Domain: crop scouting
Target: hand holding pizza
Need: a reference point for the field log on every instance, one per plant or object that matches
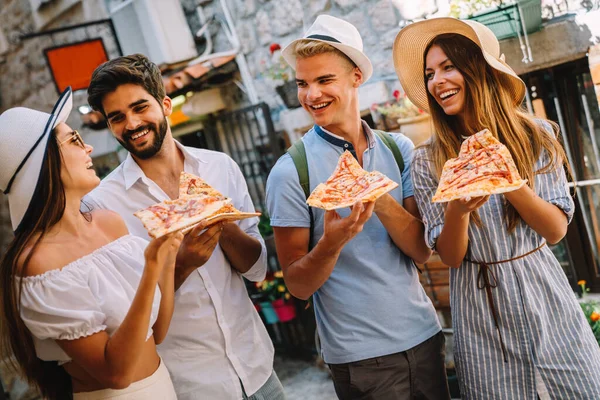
(198, 246)
(339, 231)
(162, 252)
(467, 205)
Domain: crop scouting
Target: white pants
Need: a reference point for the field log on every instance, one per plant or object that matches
(156, 386)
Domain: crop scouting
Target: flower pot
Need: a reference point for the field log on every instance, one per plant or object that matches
(289, 94)
(268, 312)
(285, 311)
(418, 129)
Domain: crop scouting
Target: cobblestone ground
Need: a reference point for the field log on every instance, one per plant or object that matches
(304, 379)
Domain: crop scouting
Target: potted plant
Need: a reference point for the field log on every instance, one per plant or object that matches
(403, 116)
(281, 76)
(280, 300)
(591, 310)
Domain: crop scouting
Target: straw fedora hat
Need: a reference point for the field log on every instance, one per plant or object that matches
(24, 135)
(411, 42)
(339, 34)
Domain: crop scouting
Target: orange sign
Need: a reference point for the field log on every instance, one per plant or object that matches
(73, 64)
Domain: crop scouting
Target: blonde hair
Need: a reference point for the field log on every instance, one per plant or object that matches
(308, 48)
(489, 105)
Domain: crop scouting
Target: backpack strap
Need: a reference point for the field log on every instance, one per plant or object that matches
(298, 154)
(387, 139)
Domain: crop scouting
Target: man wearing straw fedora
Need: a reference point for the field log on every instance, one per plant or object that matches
(379, 332)
(217, 346)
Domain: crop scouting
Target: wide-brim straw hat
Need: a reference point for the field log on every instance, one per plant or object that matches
(409, 57)
(24, 135)
(339, 34)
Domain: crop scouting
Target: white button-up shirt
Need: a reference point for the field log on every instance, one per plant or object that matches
(216, 338)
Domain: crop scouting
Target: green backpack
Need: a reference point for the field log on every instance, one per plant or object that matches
(298, 154)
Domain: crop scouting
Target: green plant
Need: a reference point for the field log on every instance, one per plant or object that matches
(401, 107)
(264, 225)
(466, 8)
(273, 287)
(591, 310)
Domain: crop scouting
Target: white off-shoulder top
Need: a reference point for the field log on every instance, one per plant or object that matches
(84, 297)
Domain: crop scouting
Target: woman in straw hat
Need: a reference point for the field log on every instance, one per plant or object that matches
(81, 311)
(518, 329)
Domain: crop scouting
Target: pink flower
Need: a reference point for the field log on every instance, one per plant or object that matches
(396, 94)
(274, 47)
(374, 106)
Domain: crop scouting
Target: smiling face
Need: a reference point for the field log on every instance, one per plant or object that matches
(77, 172)
(136, 119)
(327, 88)
(445, 83)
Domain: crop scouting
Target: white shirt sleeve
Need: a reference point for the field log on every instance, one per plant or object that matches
(243, 202)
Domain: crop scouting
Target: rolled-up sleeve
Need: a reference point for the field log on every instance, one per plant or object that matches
(243, 202)
(552, 186)
(425, 184)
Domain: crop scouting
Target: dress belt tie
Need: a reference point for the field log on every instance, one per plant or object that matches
(486, 279)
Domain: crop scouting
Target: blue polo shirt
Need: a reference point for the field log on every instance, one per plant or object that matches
(372, 304)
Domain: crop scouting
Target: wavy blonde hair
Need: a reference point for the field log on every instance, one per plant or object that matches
(307, 48)
(489, 105)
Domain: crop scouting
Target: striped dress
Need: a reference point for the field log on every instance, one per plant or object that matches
(548, 343)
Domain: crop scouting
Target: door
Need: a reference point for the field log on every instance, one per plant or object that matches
(565, 94)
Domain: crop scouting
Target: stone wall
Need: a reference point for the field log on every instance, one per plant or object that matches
(259, 23)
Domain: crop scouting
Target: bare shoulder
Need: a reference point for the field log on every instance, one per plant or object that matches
(110, 223)
(37, 258)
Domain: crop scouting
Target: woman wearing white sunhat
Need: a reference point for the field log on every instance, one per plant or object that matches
(80, 319)
(519, 332)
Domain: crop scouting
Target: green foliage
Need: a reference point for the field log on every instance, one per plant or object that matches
(264, 225)
(591, 310)
(273, 287)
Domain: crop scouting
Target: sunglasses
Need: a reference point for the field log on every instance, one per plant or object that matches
(75, 137)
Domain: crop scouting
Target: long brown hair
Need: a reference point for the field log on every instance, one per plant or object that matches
(46, 209)
(489, 105)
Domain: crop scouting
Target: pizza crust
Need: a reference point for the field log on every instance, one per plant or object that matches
(479, 192)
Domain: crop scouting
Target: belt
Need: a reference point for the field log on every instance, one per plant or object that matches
(486, 279)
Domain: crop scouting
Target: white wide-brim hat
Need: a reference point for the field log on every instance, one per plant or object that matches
(409, 57)
(24, 135)
(339, 34)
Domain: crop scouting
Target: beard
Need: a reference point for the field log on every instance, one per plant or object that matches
(150, 150)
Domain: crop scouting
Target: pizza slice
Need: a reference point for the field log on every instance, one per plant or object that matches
(484, 166)
(349, 184)
(173, 215)
(192, 185)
